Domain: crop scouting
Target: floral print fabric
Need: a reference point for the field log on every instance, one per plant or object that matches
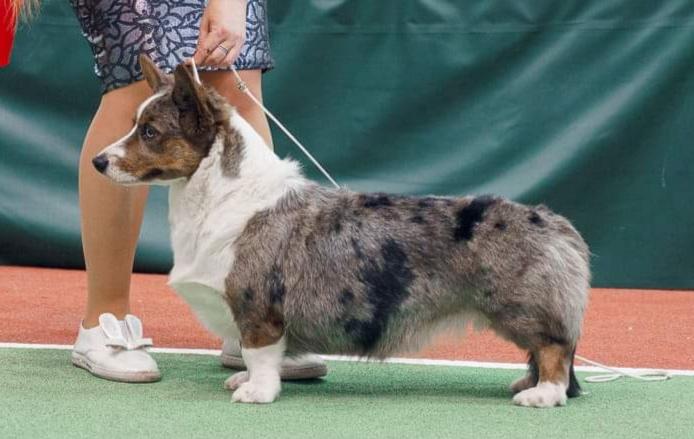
(166, 30)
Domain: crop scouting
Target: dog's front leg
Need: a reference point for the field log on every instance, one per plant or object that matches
(261, 383)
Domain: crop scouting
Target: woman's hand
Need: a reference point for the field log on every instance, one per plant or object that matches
(222, 33)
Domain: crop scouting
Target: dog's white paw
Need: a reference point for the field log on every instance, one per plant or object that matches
(543, 395)
(234, 381)
(522, 383)
(257, 393)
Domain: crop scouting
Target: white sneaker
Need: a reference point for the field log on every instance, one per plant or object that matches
(115, 350)
(302, 367)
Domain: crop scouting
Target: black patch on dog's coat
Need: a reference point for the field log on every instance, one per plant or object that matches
(500, 225)
(429, 202)
(232, 152)
(246, 299)
(533, 370)
(553, 339)
(423, 203)
(386, 288)
(248, 294)
(333, 219)
(356, 246)
(471, 215)
(352, 326)
(425, 207)
(309, 240)
(336, 225)
(346, 296)
(154, 173)
(374, 201)
(276, 286)
(536, 219)
(418, 219)
(525, 265)
(574, 388)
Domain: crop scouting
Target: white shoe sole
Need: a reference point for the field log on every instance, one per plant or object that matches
(307, 372)
(81, 361)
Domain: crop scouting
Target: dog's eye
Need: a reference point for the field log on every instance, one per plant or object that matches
(147, 132)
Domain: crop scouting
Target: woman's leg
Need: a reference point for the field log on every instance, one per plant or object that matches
(111, 215)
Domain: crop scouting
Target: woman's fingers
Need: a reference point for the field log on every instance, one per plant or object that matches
(218, 57)
(200, 54)
(229, 59)
(222, 33)
(208, 49)
(216, 48)
(207, 46)
(220, 52)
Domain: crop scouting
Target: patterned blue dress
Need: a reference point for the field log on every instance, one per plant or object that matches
(167, 30)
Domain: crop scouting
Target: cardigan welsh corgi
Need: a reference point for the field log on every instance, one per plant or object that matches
(287, 266)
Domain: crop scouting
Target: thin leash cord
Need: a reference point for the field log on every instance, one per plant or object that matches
(657, 375)
(244, 88)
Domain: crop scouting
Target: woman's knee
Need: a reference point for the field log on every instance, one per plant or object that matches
(114, 117)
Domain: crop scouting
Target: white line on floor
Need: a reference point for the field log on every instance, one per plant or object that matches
(412, 361)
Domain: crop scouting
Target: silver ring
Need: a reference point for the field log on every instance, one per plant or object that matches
(226, 51)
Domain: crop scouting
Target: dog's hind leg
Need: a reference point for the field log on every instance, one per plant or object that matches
(554, 378)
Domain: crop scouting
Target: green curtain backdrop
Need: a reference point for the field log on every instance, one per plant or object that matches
(586, 106)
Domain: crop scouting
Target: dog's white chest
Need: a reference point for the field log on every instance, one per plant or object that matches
(209, 211)
(203, 256)
(210, 307)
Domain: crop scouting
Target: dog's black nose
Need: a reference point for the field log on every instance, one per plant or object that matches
(100, 162)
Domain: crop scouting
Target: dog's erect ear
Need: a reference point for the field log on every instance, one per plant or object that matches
(191, 100)
(154, 77)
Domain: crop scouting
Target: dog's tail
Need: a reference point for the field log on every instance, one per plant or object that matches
(574, 388)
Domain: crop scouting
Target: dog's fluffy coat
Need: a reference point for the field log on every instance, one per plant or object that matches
(303, 268)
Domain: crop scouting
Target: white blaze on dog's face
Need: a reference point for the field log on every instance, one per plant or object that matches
(173, 131)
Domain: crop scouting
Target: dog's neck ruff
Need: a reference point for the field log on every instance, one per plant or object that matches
(209, 211)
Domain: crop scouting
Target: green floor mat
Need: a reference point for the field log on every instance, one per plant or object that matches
(42, 395)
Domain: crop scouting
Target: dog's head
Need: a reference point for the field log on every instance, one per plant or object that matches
(174, 130)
